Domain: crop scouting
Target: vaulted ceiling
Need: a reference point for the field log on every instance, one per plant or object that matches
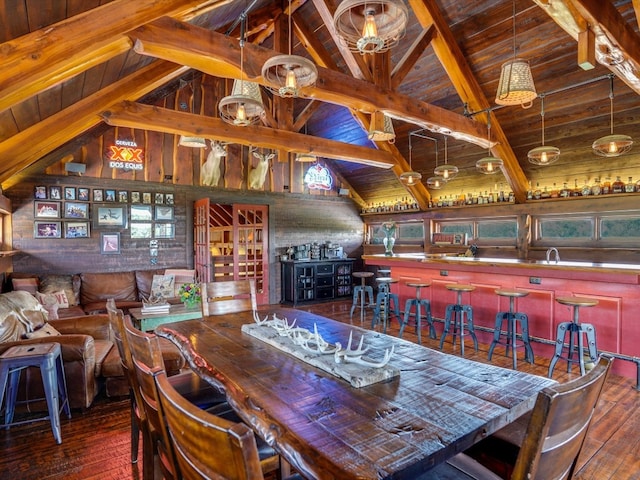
(73, 67)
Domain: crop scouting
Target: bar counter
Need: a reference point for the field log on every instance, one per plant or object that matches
(615, 286)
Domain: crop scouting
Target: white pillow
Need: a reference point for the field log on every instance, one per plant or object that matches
(45, 330)
(60, 298)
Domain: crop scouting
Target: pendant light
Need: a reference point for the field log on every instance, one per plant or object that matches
(612, 145)
(370, 26)
(285, 75)
(244, 106)
(516, 81)
(544, 154)
(489, 165)
(446, 171)
(381, 128)
(437, 182)
(410, 178)
(190, 141)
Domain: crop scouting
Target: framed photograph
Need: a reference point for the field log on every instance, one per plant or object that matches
(123, 196)
(110, 243)
(135, 197)
(164, 230)
(83, 194)
(76, 230)
(76, 210)
(69, 193)
(164, 212)
(141, 230)
(159, 198)
(44, 209)
(47, 230)
(98, 195)
(55, 193)
(109, 216)
(168, 198)
(141, 213)
(146, 197)
(40, 193)
(109, 195)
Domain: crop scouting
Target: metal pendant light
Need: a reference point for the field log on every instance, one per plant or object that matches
(446, 171)
(190, 141)
(381, 128)
(410, 178)
(612, 145)
(516, 81)
(544, 154)
(285, 75)
(437, 182)
(370, 26)
(489, 165)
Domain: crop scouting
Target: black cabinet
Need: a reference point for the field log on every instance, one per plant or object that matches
(308, 281)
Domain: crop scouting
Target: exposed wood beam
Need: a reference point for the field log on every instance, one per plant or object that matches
(312, 44)
(29, 145)
(135, 115)
(41, 59)
(411, 56)
(636, 9)
(469, 90)
(217, 55)
(305, 115)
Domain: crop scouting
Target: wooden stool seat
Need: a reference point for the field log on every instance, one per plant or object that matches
(359, 293)
(385, 272)
(456, 313)
(383, 302)
(512, 317)
(577, 301)
(460, 287)
(418, 284)
(363, 275)
(386, 280)
(417, 301)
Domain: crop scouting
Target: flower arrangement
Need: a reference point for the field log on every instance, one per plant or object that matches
(190, 294)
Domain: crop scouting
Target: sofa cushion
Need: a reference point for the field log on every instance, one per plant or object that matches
(29, 284)
(55, 283)
(112, 365)
(99, 287)
(103, 347)
(144, 280)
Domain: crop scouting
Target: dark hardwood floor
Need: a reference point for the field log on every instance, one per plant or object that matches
(96, 443)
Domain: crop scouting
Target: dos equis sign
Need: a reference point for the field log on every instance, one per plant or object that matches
(125, 155)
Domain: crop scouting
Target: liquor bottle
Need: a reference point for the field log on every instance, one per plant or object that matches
(618, 186)
(577, 191)
(586, 189)
(545, 193)
(530, 192)
(555, 193)
(596, 188)
(630, 187)
(537, 194)
(565, 192)
(606, 186)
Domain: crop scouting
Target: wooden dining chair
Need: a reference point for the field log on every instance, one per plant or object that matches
(219, 298)
(549, 446)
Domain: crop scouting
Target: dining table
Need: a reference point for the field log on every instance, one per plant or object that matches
(423, 408)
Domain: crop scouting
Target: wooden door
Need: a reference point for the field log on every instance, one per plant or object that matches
(250, 247)
(201, 240)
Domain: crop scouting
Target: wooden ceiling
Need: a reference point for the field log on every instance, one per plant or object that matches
(69, 66)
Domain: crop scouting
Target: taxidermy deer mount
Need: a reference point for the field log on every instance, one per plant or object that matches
(258, 174)
(210, 170)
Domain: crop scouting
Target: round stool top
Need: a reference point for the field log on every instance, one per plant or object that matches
(504, 292)
(363, 274)
(577, 301)
(384, 271)
(418, 284)
(386, 280)
(459, 287)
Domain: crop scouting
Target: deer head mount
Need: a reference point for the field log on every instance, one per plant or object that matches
(210, 170)
(258, 174)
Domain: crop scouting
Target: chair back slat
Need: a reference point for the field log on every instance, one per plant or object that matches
(558, 426)
(207, 446)
(220, 298)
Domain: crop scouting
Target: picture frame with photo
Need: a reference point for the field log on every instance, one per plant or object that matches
(123, 196)
(76, 230)
(141, 230)
(163, 213)
(83, 194)
(110, 243)
(55, 192)
(69, 193)
(159, 198)
(47, 230)
(45, 209)
(105, 215)
(168, 199)
(164, 230)
(98, 195)
(146, 198)
(109, 195)
(76, 210)
(140, 213)
(136, 197)
(40, 192)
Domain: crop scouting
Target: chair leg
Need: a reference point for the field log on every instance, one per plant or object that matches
(591, 341)
(135, 431)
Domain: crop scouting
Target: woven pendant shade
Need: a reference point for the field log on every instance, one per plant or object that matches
(516, 84)
(285, 75)
(381, 128)
(244, 106)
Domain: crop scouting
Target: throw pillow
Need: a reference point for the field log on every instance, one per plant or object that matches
(26, 284)
(46, 330)
(55, 283)
(50, 299)
(162, 286)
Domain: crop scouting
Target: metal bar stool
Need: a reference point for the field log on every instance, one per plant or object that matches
(47, 357)
(359, 293)
(512, 317)
(418, 301)
(383, 303)
(457, 313)
(575, 329)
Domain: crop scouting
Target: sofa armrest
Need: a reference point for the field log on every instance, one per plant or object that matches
(97, 326)
(79, 348)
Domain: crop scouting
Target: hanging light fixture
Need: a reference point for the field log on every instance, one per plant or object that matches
(544, 154)
(516, 81)
(285, 75)
(489, 165)
(436, 182)
(612, 145)
(190, 141)
(370, 26)
(446, 171)
(381, 128)
(410, 178)
(244, 106)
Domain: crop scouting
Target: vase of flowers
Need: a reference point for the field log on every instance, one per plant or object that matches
(389, 229)
(190, 295)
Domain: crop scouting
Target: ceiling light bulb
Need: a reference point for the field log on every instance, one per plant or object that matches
(291, 82)
(241, 115)
(370, 29)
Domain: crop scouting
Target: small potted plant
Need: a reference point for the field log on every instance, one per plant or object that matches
(190, 295)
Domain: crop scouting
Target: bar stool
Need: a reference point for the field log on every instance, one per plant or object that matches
(383, 302)
(359, 293)
(512, 317)
(457, 313)
(418, 301)
(575, 329)
(47, 357)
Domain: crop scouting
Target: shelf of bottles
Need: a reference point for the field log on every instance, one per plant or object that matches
(597, 187)
(405, 204)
